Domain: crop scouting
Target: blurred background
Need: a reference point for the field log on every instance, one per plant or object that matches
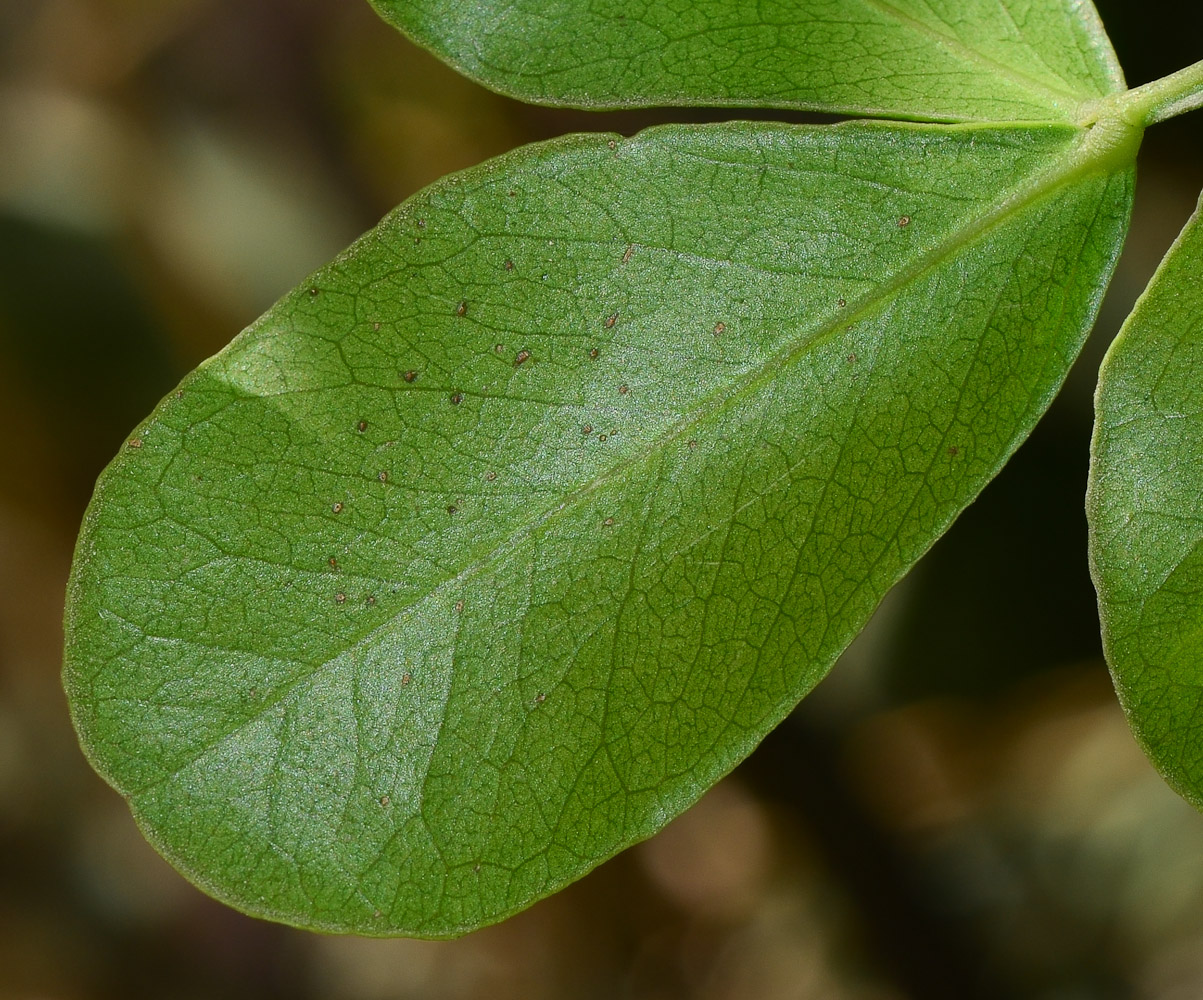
(958, 812)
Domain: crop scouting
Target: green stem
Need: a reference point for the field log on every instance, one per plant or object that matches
(1172, 95)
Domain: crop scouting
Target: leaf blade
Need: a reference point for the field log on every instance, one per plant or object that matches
(1146, 521)
(382, 629)
(984, 61)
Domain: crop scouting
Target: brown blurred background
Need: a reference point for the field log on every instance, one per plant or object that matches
(958, 812)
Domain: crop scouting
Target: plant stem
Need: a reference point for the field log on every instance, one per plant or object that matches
(1165, 98)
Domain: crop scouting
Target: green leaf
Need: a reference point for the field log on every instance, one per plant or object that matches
(1145, 506)
(488, 549)
(936, 60)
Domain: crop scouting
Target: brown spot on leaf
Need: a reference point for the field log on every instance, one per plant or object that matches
(623, 390)
(953, 451)
(457, 398)
(720, 329)
(540, 698)
(629, 254)
(509, 265)
(904, 221)
(405, 679)
(385, 800)
(491, 476)
(594, 354)
(333, 563)
(382, 475)
(337, 508)
(135, 443)
(611, 320)
(370, 601)
(462, 308)
(587, 429)
(851, 359)
(459, 606)
(608, 522)
(410, 375)
(361, 426)
(692, 445)
(521, 357)
(340, 598)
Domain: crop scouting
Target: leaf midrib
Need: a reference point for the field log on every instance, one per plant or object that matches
(1078, 160)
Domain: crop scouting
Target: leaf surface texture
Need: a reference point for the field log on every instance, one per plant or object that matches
(1146, 514)
(943, 60)
(489, 548)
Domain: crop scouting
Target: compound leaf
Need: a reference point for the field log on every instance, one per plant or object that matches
(936, 60)
(488, 549)
(1146, 514)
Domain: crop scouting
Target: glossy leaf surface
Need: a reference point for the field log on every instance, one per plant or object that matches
(1146, 514)
(939, 60)
(486, 551)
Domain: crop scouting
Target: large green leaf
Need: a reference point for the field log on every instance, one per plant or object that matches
(487, 550)
(938, 60)
(1146, 514)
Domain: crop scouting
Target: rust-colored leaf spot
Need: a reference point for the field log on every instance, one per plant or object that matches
(457, 398)
(540, 698)
(594, 354)
(459, 606)
(405, 679)
(340, 598)
(611, 320)
(385, 800)
(333, 563)
(462, 308)
(623, 390)
(337, 508)
(135, 443)
(382, 475)
(410, 375)
(904, 221)
(361, 426)
(521, 357)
